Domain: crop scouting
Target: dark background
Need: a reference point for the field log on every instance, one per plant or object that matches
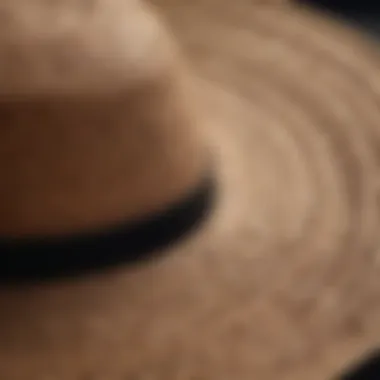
(364, 14)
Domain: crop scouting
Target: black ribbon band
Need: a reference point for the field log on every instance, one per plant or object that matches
(368, 369)
(37, 260)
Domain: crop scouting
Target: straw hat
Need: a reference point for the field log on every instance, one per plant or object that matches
(189, 191)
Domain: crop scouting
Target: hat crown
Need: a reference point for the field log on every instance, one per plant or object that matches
(66, 47)
(94, 113)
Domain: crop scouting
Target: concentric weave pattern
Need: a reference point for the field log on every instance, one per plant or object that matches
(285, 281)
(309, 95)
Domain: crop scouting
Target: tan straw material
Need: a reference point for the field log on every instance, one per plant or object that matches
(283, 281)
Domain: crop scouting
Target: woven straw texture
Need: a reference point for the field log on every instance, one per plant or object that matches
(284, 282)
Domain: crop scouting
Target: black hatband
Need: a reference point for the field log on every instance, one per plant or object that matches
(368, 369)
(42, 259)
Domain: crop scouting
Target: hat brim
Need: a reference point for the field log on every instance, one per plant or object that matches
(283, 281)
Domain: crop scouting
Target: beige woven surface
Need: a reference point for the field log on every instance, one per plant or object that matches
(284, 282)
(310, 92)
(313, 86)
